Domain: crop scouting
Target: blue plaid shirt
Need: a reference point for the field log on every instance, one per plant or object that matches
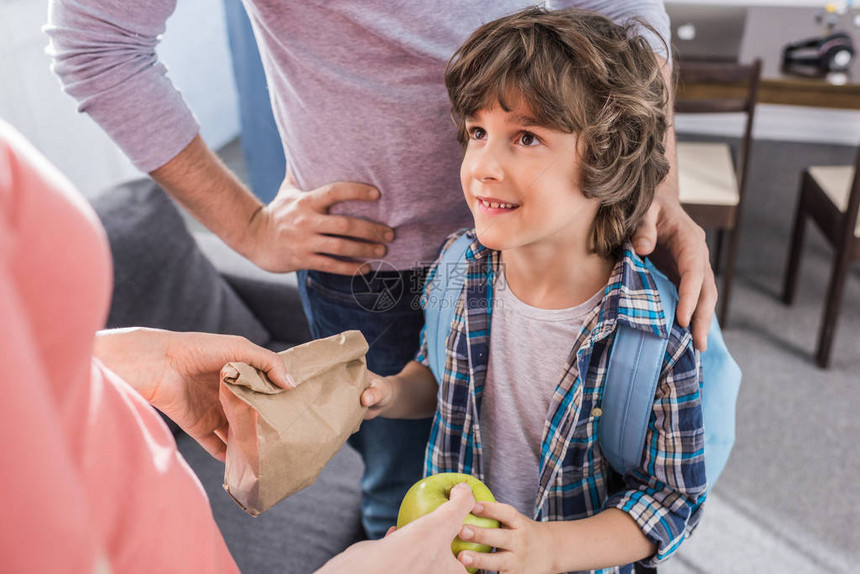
(664, 494)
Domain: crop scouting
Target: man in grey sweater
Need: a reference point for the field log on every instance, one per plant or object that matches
(372, 182)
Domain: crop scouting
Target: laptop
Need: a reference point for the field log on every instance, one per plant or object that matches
(707, 31)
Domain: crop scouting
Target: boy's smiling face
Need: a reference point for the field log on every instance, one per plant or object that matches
(521, 181)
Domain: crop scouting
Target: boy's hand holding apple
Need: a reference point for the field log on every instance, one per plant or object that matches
(521, 544)
(431, 492)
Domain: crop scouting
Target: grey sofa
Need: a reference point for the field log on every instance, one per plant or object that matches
(168, 277)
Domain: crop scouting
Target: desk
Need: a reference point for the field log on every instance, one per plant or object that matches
(767, 30)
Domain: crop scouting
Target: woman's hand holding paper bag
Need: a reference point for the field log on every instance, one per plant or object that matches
(179, 374)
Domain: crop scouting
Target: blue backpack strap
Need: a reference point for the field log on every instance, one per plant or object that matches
(635, 363)
(633, 372)
(441, 303)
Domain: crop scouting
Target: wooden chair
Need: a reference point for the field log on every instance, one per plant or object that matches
(830, 196)
(711, 184)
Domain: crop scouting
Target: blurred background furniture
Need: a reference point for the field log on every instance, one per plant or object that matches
(830, 197)
(769, 28)
(168, 277)
(711, 184)
(704, 31)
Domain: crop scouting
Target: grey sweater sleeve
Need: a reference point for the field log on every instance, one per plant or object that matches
(104, 54)
(622, 11)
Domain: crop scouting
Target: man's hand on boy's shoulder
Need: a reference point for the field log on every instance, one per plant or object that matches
(684, 256)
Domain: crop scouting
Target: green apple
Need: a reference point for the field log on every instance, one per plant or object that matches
(429, 493)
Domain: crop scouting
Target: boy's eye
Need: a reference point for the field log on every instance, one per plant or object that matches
(528, 139)
(477, 133)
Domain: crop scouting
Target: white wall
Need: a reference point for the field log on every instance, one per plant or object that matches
(198, 59)
(31, 98)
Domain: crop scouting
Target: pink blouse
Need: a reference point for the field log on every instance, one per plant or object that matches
(90, 477)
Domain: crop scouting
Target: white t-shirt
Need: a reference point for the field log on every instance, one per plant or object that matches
(529, 348)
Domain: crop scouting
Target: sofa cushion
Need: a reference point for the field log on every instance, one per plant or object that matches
(272, 297)
(161, 278)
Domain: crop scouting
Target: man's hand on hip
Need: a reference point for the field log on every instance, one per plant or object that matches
(296, 231)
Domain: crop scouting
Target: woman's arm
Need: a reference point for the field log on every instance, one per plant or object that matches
(179, 374)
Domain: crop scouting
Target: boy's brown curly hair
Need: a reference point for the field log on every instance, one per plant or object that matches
(581, 73)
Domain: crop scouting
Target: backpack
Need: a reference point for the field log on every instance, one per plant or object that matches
(634, 368)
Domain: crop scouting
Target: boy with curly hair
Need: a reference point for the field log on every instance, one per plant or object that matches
(562, 115)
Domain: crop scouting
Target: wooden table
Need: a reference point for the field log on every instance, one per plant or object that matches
(767, 30)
